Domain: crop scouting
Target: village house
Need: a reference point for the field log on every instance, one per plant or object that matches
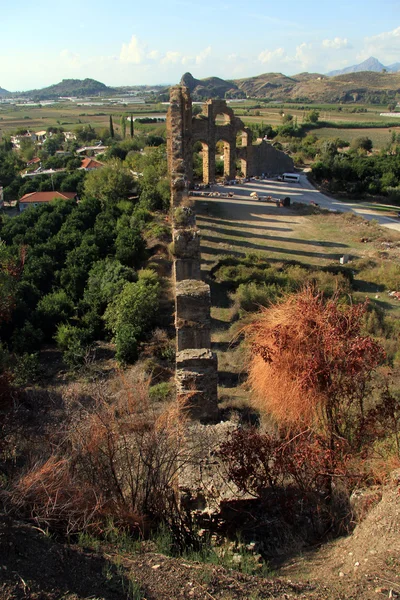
(88, 164)
(37, 198)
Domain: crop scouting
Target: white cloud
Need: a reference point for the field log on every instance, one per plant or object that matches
(203, 55)
(70, 59)
(385, 46)
(133, 52)
(305, 55)
(171, 57)
(271, 55)
(336, 44)
(153, 55)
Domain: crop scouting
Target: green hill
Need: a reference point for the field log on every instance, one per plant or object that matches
(71, 87)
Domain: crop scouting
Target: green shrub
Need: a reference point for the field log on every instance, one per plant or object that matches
(73, 341)
(126, 343)
(52, 309)
(132, 313)
(161, 392)
(26, 338)
(250, 296)
(26, 369)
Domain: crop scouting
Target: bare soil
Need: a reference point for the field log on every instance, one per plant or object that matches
(362, 566)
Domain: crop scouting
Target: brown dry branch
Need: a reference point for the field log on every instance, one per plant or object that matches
(117, 459)
(310, 365)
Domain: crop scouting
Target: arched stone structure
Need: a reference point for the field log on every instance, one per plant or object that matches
(196, 364)
(205, 128)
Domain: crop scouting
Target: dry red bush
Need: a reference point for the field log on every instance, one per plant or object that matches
(309, 363)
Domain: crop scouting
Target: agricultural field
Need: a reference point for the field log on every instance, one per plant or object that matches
(380, 137)
(69, 115)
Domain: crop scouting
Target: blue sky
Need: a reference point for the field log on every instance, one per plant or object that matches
(132, 42)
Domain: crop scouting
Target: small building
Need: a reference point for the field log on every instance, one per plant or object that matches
(41, 136)
(88, 164)
(36, 198)
(34, 161)
(69, 136)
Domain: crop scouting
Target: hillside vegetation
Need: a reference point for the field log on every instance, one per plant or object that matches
(365, 86)
(71, 87)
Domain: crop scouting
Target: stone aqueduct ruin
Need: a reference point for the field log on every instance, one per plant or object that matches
(196, 364)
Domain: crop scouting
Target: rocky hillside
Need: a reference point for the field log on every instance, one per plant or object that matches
(211, 87)
(3, 92)
(366, 86)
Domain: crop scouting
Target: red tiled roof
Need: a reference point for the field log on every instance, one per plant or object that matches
(47, 196)
(89, 163)
(33, 161)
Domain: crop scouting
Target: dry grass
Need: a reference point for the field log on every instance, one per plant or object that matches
(117, 458)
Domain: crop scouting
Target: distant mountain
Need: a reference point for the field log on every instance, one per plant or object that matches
(371, 64)
(70, 87)
(211, 87)
(3, 92)
(395, 67)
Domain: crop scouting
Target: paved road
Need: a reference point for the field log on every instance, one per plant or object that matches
(299, 192)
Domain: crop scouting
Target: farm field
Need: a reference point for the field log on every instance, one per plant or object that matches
(380, 136)
(69, 116)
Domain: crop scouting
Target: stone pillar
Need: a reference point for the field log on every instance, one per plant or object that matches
(230, 160)
(197, 382)
(192, 315)
(208, 163)
(196, 366)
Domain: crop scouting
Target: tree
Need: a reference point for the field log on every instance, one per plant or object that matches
(111, 183)
(312, 116)
(311, 366)
(52, 309)
(287, 118)
(111, 127)
(362, 143)
(131, 125)
(132, 313)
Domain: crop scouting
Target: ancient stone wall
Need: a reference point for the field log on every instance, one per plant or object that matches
(196, 365)
(208, 128)
(264, 158)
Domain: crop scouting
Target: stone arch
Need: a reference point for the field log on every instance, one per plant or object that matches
(243, 141)
(222, 119)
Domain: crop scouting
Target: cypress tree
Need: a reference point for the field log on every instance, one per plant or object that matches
(123, 126)
(111, 127)
(131, 125)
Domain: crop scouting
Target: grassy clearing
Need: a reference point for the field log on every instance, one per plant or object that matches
(317, 240)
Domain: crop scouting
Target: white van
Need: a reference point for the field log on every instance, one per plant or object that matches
(292, 177)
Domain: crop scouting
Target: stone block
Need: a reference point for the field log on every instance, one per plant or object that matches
(197, 382)
(192, 337)
(187, 268)
(186, 243)
(192, 303)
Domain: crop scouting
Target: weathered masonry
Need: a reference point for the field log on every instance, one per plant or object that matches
(196, 365)
(217, 122)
